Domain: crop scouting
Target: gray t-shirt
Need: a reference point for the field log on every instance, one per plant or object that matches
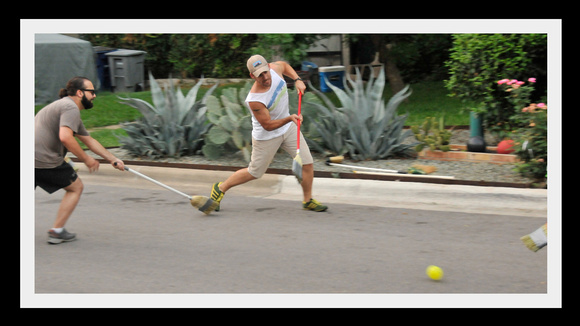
(49, 151)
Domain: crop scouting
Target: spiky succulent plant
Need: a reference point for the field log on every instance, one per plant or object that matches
(364, 127)
(174, 125)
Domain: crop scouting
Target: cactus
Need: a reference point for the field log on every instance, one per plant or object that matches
(232, 124)
(432, 134)
(173, 125)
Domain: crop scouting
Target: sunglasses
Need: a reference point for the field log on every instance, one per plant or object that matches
(88, 90)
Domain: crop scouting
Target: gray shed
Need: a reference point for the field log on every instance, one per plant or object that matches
(58, 58)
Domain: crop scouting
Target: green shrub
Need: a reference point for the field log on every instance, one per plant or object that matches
(477, 61)
(530, 122)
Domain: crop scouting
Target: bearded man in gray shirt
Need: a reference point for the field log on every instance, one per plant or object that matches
(55, 129)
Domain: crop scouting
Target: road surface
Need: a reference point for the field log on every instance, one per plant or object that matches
(137, 238)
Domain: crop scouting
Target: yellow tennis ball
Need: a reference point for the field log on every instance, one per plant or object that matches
(434, 272)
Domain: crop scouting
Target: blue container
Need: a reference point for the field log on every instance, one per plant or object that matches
(334, 74)
(103, 66)
(307, 65)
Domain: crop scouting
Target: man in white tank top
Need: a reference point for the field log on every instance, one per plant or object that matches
(273, 127)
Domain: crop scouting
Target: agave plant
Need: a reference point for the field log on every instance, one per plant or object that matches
(173, 125)
(232, 124)
(364, 126)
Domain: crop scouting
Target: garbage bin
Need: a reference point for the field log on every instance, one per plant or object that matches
(103, 66)
(311, 70)
(334, 74)
(307, 66)
(126, 69)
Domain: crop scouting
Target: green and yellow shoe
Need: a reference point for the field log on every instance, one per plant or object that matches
(216, 194)
(314, 205)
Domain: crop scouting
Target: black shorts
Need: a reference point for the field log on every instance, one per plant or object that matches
(56, 178)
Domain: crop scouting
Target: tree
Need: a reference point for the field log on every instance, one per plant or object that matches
(211, 55)
(384, 44)
(407, 57)
(291, 47)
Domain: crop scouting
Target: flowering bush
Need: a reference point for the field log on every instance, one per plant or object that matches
(476, 61)
(530, 127)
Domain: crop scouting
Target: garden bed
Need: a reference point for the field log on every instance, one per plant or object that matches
(475, 172)
(460, 153)
(466, 173)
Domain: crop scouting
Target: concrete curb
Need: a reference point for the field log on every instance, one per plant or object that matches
(415, 195)
(410, 195)
(327, 174)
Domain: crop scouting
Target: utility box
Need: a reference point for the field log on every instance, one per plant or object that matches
(127, 70)
(334, 74)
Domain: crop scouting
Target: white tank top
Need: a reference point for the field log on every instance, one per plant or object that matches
(276, 101)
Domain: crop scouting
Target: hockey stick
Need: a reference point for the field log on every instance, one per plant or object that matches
(202, 203)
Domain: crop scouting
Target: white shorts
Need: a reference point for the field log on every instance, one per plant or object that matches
(263, 151)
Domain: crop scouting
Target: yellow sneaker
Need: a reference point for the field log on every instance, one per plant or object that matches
(314, 205)
(216, 194)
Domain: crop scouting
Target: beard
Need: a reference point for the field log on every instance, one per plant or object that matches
(86, 103)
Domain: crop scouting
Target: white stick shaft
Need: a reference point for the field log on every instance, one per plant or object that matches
(159, 183)
(408, 175)
(390, 171)
(364, 168)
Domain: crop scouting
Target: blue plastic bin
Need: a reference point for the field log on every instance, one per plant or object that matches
(334, 74)
(103, 66)
(307, 65)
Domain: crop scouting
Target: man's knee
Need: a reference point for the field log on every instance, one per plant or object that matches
(76, 186)
(255, 174)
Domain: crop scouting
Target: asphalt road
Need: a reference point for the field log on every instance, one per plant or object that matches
(147, 240)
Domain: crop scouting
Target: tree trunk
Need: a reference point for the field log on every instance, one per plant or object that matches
(392, 72)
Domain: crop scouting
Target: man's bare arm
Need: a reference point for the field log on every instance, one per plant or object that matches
(262, 114)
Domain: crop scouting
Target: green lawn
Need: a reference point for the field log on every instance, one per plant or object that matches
(108, 111)
(428, 99)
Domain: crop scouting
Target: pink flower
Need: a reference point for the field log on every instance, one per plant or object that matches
(513, 81)
(503, 81)
(541, 105)
(532, 80)
(520, 83)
